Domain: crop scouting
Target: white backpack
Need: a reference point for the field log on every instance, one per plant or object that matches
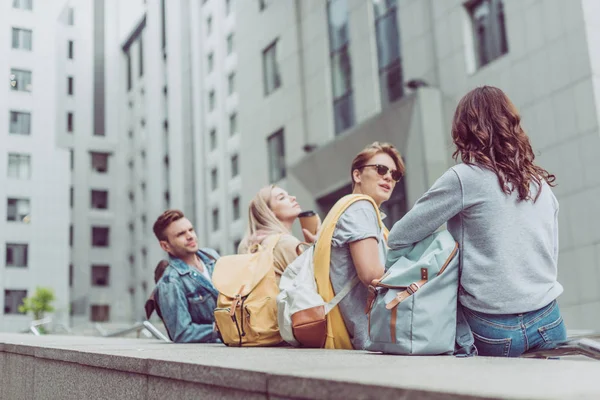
(301, 311)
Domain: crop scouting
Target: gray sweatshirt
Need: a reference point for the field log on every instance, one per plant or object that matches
(508, 249)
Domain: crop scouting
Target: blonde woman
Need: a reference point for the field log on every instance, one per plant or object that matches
(271, 212)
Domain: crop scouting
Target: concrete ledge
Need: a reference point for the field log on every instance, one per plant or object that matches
(69, 367)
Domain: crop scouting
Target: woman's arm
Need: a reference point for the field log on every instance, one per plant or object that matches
(443, 201)
(365, 255)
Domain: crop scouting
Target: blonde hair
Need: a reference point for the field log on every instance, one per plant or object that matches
(373, 149)
(261, 219)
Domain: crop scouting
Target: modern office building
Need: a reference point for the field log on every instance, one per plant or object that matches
(177, 107)
(34, 171)
(320, 80)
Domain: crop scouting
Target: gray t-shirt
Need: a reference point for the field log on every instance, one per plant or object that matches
(358, 222)
(508, 248)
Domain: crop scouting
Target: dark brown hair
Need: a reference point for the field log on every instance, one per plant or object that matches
(373, 149)
(160, 270)
(487, 132)
(164, 221)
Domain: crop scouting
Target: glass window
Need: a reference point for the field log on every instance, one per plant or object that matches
(20, 80)
(388, 50)
(100, 236)
(232, 124)
(100, 275)
(210, 62)
(69, 122)
(341, 65)
(71, 16)
(271, 76)
(19, 166)
(70, 87)
(234, 166)
(489, 30)
(16, 255)
(20, 123)
(213, 139)
(99, 313)
(208, 26)
(99, 199)
(12, 300)
(276, 150)
(141, 56)
(215, 219)
(71, 273)
(23, 4)
(236, 208)
(21, 39)
(211, 100)
(129, 74)
(214, 179)
(231, 83)
(99, 162)
(230, 43)
(70, 50)
(262, 4)
(18, 210)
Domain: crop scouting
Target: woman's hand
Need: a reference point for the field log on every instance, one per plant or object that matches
(309, 237)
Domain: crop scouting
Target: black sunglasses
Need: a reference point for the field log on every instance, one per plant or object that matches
(382, 170)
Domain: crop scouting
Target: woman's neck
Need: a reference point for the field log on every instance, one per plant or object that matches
(288, 224)
(358, 190)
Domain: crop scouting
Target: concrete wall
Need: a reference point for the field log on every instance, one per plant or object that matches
(75, 367)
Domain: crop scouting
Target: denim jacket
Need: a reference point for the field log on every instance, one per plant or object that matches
(186, 300)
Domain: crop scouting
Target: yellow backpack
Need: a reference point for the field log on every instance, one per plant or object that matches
(246, 313)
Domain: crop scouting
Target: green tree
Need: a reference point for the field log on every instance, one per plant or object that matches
(39, 303)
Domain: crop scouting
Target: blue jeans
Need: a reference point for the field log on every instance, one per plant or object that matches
(510, 335)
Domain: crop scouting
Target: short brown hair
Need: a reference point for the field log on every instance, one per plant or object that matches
(160, 270)
(164, 221)
(372, 150)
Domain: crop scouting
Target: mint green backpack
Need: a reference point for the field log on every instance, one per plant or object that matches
(413, 308)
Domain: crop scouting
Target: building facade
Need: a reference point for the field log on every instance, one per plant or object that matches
(34, 170)
(323, 79)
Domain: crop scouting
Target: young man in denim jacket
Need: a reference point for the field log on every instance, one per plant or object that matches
(184, 296)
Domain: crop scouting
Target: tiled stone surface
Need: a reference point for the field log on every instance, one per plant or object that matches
(160, 389)
(86, 370)
(17, 379)
(66, 381)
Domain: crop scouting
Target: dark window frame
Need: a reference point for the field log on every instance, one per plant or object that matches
(269, 54)
(276, 162)
(492, 44)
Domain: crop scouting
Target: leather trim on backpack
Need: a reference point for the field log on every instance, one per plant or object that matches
(393, 323)
(310, 327)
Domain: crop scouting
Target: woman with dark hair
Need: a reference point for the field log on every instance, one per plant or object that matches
(500, 208)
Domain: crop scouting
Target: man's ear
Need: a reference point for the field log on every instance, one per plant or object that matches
(356, 176)
(165, 246)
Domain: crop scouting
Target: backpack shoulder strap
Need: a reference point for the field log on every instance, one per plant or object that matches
(337, 334)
